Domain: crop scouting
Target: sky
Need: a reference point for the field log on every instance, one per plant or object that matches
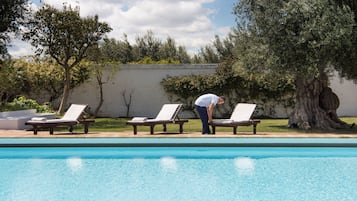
(192, 23)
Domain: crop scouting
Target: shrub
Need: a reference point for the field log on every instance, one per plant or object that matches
(22, 103)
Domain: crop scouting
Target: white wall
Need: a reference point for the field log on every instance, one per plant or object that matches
(347, 92)
(143, 81)
(148, 95)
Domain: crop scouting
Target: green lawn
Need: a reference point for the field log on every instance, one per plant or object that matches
(194, 125)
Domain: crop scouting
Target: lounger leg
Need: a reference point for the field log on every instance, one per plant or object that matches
(51, 130)
(86, 128)
(35, 130)
(213, 129)
(70, 129)
(181, 127)
(254, 128)
(235, 130)
(135, 129)
(164, 128)
(152, 129)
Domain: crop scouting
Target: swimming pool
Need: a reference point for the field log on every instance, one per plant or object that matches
(185, 173)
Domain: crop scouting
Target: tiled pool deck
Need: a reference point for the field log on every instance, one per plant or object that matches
(94, 134)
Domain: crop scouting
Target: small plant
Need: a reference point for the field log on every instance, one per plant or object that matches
(22, 103)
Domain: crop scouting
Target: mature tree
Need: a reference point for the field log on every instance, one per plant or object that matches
(208, 54)
(66, 37)
(168, 49)
(148, 46)
(147, 49)
(117, 50)
(305, 39)
(183, 56)
(12, 15)
(217, 52)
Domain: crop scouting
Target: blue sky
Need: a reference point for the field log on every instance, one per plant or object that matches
(224, 9)
(192, 23)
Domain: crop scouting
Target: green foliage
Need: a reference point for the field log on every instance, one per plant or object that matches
(147, 50)
(217, 52)
(148, 46)
(12, 81)
(22, 103)
(149, 60)
(237, 86)
(298, 37)
(63, 34)
(12, 15)
(43, 77)
(347, 60)
(117, 51)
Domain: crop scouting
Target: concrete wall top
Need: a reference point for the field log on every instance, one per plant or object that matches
(167, 66)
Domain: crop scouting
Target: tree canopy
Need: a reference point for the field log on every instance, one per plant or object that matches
(65, 36)
(12, 15)
(306, 39)
(146, 49)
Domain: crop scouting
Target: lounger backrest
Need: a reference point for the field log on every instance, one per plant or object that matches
(74, 112)
(168, 112)
(243, 112)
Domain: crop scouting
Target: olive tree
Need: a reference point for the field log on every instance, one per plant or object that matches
(66, 37)
(306, 39)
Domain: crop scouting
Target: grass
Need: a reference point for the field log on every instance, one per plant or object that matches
(194, 125)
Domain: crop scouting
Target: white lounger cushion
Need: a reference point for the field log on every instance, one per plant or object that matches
(168, 112)
(74, 112)
(241, 113)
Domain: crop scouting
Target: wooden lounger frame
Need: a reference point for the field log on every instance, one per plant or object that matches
(36, 126)
(152, 124)
(235, 125)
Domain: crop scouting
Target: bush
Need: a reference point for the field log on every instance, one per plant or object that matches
(22, 103)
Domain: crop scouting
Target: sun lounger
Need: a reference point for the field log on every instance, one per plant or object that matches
(167, 115)
(71, 118)
(241, 116)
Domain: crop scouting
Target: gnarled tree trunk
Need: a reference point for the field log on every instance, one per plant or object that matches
(315, 105)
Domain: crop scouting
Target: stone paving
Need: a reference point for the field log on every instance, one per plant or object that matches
(58, 134)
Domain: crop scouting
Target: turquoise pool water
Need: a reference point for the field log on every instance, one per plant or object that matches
(178, 174)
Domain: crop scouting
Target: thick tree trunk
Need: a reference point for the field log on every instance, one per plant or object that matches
(315, 106)
(67, 84)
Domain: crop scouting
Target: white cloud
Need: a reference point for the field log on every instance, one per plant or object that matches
(187, 21)
(20, 48)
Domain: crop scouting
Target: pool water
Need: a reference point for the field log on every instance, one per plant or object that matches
(178, 173)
